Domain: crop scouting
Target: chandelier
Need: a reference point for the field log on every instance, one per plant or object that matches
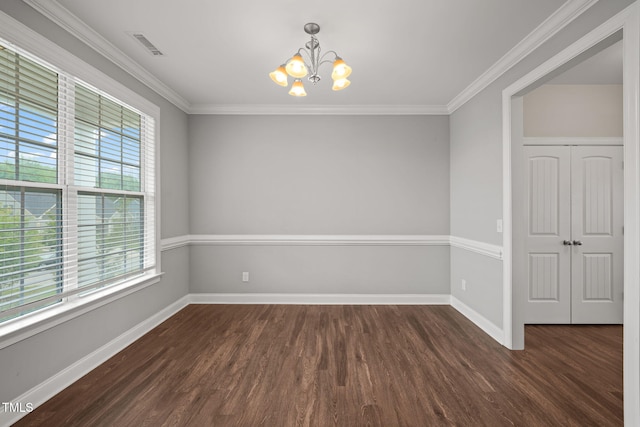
(298, 68)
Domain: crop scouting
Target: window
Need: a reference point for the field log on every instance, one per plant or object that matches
(77, 196)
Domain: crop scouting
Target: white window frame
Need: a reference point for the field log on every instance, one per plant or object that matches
(26, 39)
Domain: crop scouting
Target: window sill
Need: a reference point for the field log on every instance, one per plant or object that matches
(29, 325)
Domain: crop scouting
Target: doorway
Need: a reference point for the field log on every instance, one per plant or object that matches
(513, 324)
(567, 138)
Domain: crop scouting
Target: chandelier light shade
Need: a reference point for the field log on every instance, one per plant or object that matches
(279, 76)
(298, 68)
(297, 88)
(340, 69)
(340, 84)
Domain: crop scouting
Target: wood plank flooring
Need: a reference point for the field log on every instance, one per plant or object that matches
(285, 365)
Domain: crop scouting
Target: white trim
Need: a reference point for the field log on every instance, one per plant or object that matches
(629, 21)
(30, 184)
(76, 27)
(479, 320)
(514, 338)
(481, 248)
(55, 384)
(46, 50)
(21, 328)
(572, 140)
(594, 37)
(175, 242)
(631, 331)
(318, 240)
(554, 23)
(507, 225)
(321, 299)
(157, 194)
(275, 109)
(67, 64)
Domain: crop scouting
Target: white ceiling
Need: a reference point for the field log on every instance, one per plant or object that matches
(403, 52)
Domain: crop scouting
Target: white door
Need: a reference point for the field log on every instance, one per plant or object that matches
(596, 231)
(548, 264)
(574, 234)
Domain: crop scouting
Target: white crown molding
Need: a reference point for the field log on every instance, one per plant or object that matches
(554, 23)
(57, 13)
(480, 321)
(487, 249)
(344, 110)
(53, 10)
(322, 299)
(75, 26)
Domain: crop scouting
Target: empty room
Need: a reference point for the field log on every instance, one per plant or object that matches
(337, 213)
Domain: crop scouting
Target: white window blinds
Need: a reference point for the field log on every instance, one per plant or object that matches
(77, 196)
(113, 193)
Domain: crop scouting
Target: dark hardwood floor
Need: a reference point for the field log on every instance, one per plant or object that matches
(285, 365)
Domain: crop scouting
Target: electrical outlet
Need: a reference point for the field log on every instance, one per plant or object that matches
(245, 276)
(464, 285)
(499, 226)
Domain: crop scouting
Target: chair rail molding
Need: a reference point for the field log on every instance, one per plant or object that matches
(487, 249)
(482, 248)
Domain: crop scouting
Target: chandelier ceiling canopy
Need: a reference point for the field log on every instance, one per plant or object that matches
(298, 67)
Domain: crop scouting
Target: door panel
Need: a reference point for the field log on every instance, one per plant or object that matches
(544, 280)
(597, 220)
(548, 202)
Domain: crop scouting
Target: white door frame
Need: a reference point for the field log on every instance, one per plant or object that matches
(627, 20)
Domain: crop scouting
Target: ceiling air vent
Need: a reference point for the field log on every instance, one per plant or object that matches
(147, 44)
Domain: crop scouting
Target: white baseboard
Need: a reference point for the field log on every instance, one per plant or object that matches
(322, 299)
(54, 385)
(482, 322)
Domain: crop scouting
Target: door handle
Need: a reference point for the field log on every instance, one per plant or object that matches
(577, 243)
(567, 242)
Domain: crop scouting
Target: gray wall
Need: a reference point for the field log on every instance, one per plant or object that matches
(476, 168)
(30, 362)
(321, 269)
(319, 174)
(311, 175)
